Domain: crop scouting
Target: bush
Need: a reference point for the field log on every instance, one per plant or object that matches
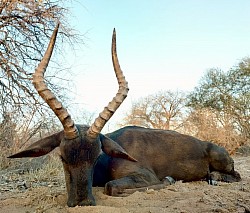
(207, 125)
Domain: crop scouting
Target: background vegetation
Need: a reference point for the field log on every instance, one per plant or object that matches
(25, 29)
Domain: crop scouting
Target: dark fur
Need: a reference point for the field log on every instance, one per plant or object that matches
(153, 155)
(160, 153)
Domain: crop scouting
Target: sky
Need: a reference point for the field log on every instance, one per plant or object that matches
(161, 44)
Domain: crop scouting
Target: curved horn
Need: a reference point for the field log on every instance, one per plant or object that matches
(70, 130)
(108, 111)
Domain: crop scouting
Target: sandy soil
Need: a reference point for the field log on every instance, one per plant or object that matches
(180, 197)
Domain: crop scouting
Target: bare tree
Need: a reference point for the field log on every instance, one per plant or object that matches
(25, 26)
(25, 29)
(161, 110)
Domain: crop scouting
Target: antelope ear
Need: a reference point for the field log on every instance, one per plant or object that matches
(41, 147)
(113, 149)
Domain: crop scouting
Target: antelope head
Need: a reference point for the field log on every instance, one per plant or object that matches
(80, 145)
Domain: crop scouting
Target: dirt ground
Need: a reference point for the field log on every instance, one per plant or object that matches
(17, 195)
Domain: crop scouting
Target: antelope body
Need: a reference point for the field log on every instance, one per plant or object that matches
(131, 157)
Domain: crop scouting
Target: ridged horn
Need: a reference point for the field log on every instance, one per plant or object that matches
(109, 110)
(70, 130)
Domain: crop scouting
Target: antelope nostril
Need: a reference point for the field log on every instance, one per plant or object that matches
(87, 203)
(71, 203)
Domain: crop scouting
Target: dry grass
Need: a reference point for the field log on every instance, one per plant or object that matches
(53, 168)
(208, 126)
